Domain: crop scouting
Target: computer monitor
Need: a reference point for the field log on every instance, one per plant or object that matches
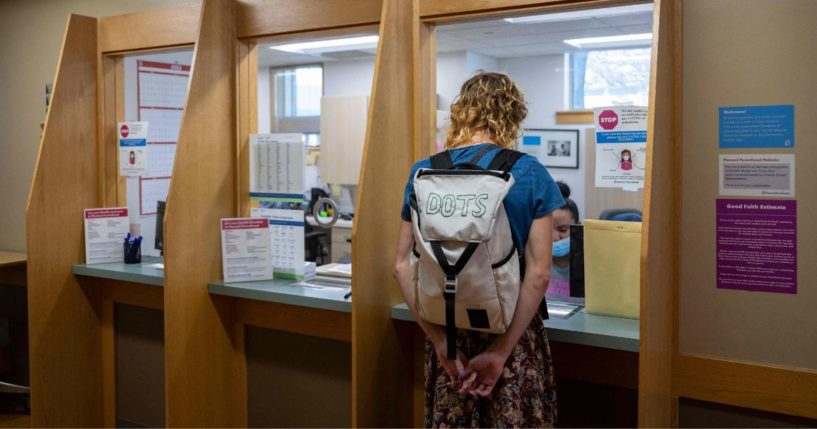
(577, 261)
(160, 220)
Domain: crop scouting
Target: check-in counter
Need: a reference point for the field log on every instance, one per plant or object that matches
(288, 331)
(587, 350)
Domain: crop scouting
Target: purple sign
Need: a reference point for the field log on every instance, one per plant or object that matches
(757, 245)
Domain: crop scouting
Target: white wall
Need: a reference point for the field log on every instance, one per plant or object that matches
(451, 72)
(264, 102)
(352, 77)
(475, 62)
(542, 80)
(32, 33)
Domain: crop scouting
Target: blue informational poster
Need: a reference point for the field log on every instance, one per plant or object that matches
(532, 140)
(756, 126)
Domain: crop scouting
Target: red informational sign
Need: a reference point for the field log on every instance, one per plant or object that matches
(102, 213)
(608, 119)
(244, 223)
(124, 131)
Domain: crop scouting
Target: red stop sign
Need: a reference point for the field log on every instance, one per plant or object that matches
(608, 119)
(124, 131)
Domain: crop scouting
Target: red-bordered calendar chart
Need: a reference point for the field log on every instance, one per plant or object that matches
(161, 90)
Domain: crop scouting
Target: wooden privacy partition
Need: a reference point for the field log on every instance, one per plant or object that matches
(659, 257)
(750, 349)
(380, 371)
(206, 379)
(64, 328)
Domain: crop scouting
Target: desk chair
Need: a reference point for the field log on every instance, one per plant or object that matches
(315, 250)
(622, 215)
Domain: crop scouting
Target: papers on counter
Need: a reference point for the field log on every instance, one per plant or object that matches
(336, 270)
(286, 235)
(245, 249)
(105, 231)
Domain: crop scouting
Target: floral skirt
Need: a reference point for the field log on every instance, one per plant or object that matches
(524, 396)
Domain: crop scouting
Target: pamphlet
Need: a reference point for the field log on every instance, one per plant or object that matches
(105, 232)
(245, 249)
(286, 234)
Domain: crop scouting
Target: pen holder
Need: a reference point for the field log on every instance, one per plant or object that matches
(133, 252)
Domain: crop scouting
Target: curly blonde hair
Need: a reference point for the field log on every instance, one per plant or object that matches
(490, 103)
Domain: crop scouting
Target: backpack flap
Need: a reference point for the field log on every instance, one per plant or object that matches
(459, 205)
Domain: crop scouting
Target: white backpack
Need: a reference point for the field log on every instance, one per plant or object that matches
(465, 265)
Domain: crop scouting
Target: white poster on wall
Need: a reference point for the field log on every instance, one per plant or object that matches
(133, 148)
(621, 146)
(749, 175)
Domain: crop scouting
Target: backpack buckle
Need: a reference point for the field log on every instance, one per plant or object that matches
(450, 285)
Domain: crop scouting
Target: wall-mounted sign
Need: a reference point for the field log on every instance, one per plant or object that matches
(756, 126)
(765, 175)
(621, 146)
(133, 148)
(757, 245)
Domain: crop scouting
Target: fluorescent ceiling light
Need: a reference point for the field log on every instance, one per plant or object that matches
(329, 45)
(611, 41)
(582, 14)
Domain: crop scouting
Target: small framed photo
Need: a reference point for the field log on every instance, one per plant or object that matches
(553, 148)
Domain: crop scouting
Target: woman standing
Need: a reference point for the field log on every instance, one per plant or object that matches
(507, 379)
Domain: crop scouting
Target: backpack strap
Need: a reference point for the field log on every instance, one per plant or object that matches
(482, 152)
(505, 159)
(450, 290)
(442, 161)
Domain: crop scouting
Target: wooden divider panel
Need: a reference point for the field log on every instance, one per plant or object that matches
(659, 254)
(257, 18)
(205, 382)
(64, 329)
(381, 370)
(161, 28)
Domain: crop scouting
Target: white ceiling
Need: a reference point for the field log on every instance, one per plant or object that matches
(496, 38)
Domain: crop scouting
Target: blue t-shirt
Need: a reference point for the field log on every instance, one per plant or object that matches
(534, 193)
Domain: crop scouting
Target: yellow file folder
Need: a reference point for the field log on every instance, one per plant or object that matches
(612, 267)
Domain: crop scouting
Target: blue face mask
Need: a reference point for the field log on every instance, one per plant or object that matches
(561, 247)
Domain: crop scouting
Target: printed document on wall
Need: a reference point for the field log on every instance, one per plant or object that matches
(133, 148)
(757, 175)
(621, 146)
(277, 166)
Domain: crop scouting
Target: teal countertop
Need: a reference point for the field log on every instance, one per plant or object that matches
(286, 292)
(134, 273)
(616, 333)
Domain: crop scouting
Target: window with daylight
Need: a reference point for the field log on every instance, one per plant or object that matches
(298, 91)
(610, 77)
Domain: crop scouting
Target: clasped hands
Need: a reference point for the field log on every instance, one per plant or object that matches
(477, 376)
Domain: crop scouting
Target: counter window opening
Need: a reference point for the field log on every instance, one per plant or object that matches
(318, 87)
(578, 59)
(147, 87)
